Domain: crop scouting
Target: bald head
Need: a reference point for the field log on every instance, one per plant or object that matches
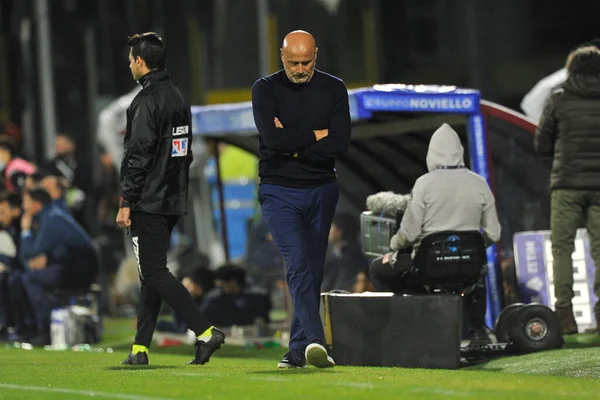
(299, 42)
(299, 56)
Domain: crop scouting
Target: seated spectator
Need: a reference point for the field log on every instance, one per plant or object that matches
(198, 280)
(232, 302)
(57, 253)
(344, 257)
(10, 214)
(8, 266)
(56, 188)
(15, 299)
(15, 169)
(448, 198)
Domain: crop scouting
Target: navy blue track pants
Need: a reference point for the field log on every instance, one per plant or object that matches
(299, 221)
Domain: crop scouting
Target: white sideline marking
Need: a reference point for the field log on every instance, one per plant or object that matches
(354, 384)
(89, 393)
(445, 392)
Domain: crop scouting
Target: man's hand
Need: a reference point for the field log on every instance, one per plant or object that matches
(321, 133)
(123, 217)
(39, 262)
(26, 220)
(279, 125)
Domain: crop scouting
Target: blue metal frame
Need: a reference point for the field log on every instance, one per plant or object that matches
(238, 119)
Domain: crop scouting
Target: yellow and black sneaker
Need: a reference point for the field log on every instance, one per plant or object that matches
(138, 356)
(206, 344)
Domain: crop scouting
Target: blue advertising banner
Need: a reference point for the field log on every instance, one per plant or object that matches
(418, 98)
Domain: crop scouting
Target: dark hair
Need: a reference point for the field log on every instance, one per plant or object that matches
(201, 276)
(348, 224)
(37, 177)
(40, 195)
(150, 48)
(8, 146)
(231, 272)
(13, 199)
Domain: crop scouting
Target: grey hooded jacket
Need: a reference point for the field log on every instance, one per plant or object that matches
(448, 198)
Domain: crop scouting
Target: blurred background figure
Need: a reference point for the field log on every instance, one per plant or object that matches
(234, 301)
(362, 283)
(14, 169)
(345, 258)
(77, 182)
(56, 252)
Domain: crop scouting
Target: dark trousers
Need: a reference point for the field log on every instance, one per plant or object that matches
(37, 283)
(151, 236)
(569, 208)
(299, 221)
(395, 277)
(24, 316)
(76, 272)
(7, 315)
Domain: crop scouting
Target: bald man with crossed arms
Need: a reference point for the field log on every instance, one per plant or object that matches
(303, 117)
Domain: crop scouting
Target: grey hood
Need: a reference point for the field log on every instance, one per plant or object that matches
(445, 149)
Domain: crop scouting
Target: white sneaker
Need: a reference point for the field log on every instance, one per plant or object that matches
(317, 355)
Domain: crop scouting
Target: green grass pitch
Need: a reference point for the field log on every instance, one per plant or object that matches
(236, 373)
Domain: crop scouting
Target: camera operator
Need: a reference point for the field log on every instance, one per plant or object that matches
(448, 198)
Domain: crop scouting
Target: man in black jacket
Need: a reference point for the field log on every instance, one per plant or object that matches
(568, 132)
(154, 185)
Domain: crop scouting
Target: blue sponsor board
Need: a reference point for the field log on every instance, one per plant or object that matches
(417, 98)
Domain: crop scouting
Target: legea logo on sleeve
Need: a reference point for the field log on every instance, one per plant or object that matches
(181, 130)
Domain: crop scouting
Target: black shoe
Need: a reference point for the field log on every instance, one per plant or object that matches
(479, 338)
(293, 359)
(140, 358)
(205, 349)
